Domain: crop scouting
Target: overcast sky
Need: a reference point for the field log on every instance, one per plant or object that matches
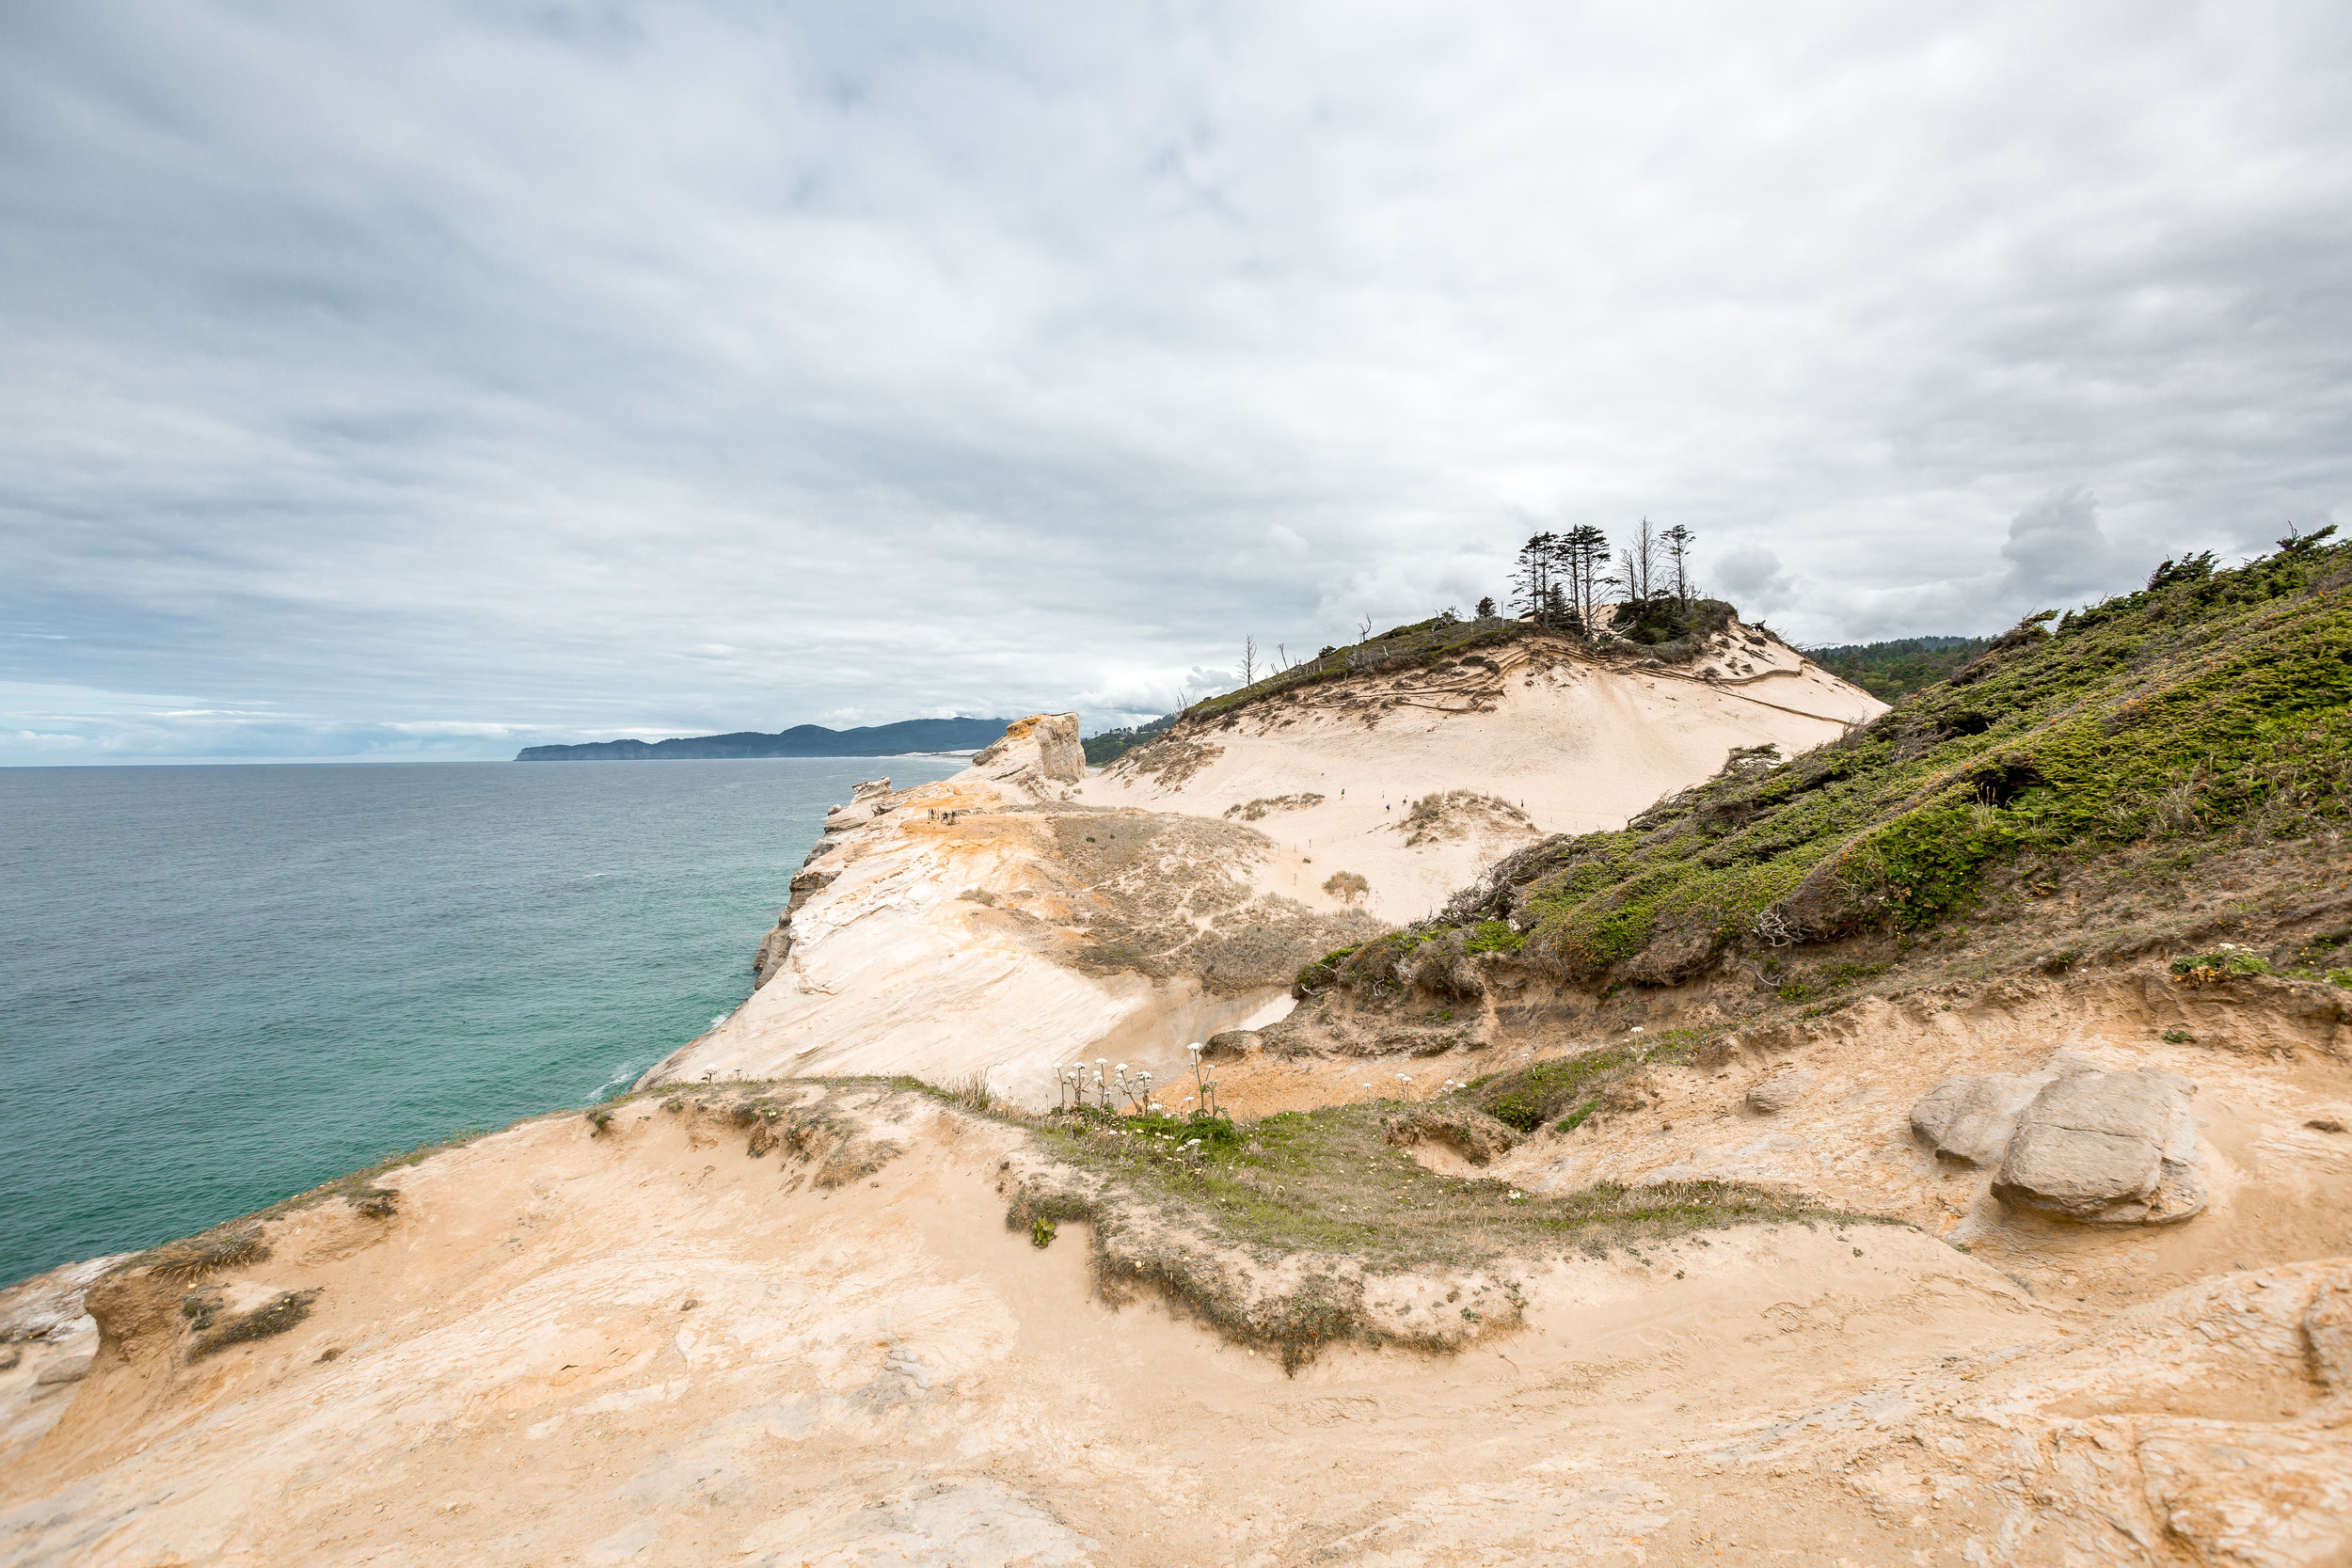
(430, 379)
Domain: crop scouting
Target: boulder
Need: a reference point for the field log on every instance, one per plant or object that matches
(1473, 1134)
(1970, 1118)
(1231, 1044)
(1776, 1091)
(2105, 1148)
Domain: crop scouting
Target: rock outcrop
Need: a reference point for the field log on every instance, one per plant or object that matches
(2074, 1141)
(2105, 1148)
(1969, 1117)
(991, 927)
(1036, 754)
(1778, 1091)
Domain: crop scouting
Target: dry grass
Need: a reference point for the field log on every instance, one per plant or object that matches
(225, 1246)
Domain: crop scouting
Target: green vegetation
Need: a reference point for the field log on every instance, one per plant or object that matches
(2208, 710)
(1821, 982)
(1439, 637)
(1329, 1189)
(1892, 670)
(1566, 1090)
(272, 1318)
(1669, 628)
(1495, 936)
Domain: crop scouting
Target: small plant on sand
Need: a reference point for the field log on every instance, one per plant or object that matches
(1205, 1086)
(1041, 1231)
(972, 1092)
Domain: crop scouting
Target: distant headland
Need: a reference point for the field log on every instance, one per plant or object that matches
(801, 740)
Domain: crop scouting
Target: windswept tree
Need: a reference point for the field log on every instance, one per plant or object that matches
(1584, 555)
(1640, 561)
(1532, 581)
(1676, 541)
(1486, 607)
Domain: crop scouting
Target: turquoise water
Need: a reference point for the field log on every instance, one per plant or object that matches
(220, 986)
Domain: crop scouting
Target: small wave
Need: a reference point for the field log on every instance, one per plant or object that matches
(623, 1076)
(717, 1019)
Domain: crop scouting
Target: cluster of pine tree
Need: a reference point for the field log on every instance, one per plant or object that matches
(1561, 579)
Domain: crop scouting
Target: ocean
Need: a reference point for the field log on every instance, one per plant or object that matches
(223, 985)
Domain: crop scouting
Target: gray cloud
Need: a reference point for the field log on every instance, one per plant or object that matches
(426, 380)
(1752, 578)
(2056, 547)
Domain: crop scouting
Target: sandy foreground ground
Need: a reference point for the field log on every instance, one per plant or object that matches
(649, 1345)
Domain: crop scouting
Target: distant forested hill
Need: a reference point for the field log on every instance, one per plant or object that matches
(1890, 669)
(801, 740)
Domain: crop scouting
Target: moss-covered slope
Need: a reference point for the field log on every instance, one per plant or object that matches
(2209, 703)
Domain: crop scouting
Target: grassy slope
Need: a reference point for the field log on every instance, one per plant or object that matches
(2212, 708)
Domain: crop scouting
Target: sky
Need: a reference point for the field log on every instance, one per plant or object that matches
(428, 380)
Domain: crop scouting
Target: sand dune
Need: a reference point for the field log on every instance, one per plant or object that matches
(1531, 738)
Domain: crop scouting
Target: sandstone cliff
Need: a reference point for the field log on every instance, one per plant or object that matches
(994, 927)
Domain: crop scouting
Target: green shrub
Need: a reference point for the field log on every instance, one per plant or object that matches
(1495, 936)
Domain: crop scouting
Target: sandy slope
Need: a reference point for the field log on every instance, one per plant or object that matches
(1564, 741)
(651, 1346)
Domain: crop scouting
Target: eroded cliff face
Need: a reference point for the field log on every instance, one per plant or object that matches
(1023, 915)
(994, 927)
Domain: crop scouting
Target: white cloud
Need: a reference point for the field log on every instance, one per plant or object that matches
(1751, 578)
(2056, 547)
(573, 371)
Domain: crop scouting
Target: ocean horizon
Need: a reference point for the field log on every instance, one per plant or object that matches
(223, 984)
